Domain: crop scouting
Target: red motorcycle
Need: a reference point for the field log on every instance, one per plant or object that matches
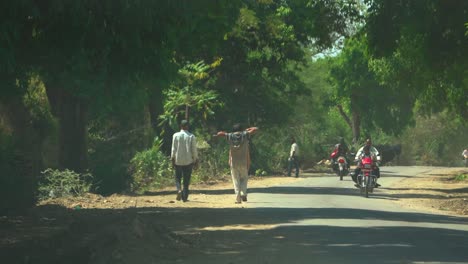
(340, 166)
(367, 179)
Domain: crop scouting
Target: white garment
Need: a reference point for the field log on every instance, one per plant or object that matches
(240, 178)
(294, 150)
(360, 152)
(465, 153)
(184, 148)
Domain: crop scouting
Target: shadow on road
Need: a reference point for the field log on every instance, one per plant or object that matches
(231, 235)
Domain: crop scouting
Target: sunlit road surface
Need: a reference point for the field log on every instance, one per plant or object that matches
(323, 220)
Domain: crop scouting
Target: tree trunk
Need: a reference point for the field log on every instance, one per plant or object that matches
(73, 141)
(187, 115)
(73, 135)
(354, 124)
(24, 162)
(345, 116)
(156, 108)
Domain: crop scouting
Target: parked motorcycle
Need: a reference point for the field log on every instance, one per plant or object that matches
(367, 179)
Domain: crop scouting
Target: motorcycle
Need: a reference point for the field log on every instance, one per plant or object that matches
(342, 169)
(339, 165)
(367, 179)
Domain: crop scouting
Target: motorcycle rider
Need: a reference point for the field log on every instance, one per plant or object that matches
(341, 149)
(367, 149)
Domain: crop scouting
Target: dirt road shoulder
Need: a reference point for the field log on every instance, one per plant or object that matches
(438, 191)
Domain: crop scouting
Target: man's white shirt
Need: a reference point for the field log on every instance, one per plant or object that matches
(360, 152)
(294, 150)
(184, 148)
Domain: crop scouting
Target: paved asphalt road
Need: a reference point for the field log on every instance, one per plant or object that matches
(323, 220)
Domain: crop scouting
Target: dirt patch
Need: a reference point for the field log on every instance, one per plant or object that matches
(200, 196)
(437, 191)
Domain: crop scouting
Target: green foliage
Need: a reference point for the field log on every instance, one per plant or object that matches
(461, 177)
(427, 41)
(150, 169)
(190, 95)
(361, 88)
(113, 142)
(57, 183)
(265, 48)
(213, 158)
(35, 99)
(260, 172)
(437, 140)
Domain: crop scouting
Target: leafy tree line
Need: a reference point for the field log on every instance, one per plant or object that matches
(109, 67)
(100, 86)
(405, 68)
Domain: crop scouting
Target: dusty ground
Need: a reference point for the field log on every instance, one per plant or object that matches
(225, 197)
(438, 192)
(96, 229)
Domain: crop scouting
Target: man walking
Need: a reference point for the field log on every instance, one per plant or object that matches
(239, 158)
(184, 156)
(465, 156)
(293, 157)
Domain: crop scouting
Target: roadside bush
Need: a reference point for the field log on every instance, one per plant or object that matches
(437, 140)
(213, 160)
(113, 142)
(461, 177)
(56, 183)
(150, 169)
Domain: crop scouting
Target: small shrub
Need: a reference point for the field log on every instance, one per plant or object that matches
(150, 169)
(213, 162)
(57, 183)
(260, 172)
(461, 177)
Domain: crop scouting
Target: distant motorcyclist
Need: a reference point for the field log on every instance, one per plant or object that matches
(367, 149)
(341, 149)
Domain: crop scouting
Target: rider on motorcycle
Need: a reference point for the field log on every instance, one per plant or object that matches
(367, 149)
(341, 149)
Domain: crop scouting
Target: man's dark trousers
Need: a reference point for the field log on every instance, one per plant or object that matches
(182, 176)
(293, 162)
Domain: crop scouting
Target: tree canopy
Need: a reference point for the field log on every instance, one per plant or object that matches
(85, 84)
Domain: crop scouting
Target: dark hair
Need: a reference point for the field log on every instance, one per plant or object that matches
(184, 123)
(366, 149)
(237, 127)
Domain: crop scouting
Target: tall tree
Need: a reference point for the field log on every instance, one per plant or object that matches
(102, 59)
(258, 79)
(424, 44)
(362, 98)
